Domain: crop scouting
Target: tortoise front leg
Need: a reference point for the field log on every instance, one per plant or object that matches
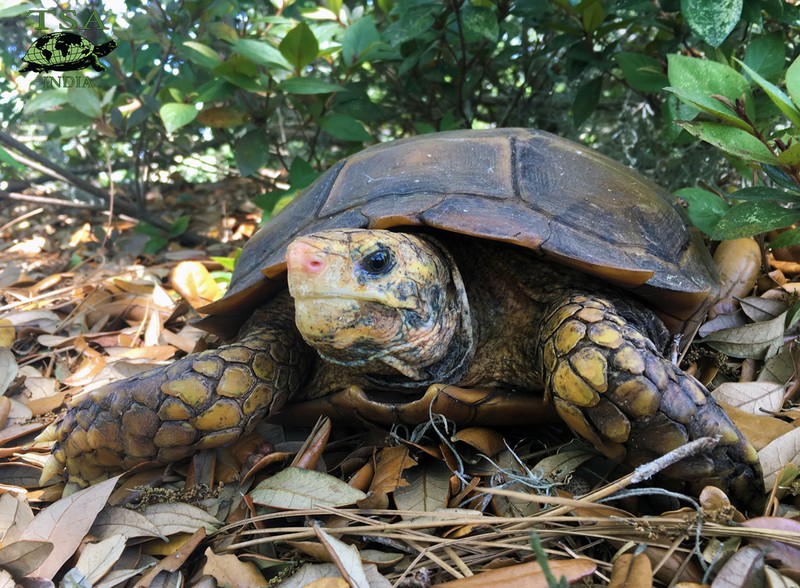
(611, 386)
(201, 401)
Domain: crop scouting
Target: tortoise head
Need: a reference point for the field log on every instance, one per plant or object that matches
(374, 298)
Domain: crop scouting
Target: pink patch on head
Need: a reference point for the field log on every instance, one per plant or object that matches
(302, 257)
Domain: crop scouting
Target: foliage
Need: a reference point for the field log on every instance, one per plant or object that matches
(202, 89)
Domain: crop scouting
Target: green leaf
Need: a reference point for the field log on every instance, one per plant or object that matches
(479, 24)
(261, 53)
(252, 152)
(308, 86)
(301, 174)
(731, 140)
(586, 99)
(778, 97)
(6, 158)
(694, 76)
(766, 54)
(299, 47)
(592, 15)
(46, 100)
(14, 8)
(66, 116)
(764, 193)
(790, 156)
(86, 101)
(793, 81)
(788, 238)
(710, 105)
(753, 218)
(202, 55)
(175, 115)
(178, 228)
(344, 127)
(359, 39)
(641, 72)
(780, 177)
(712, 20)
(705, 209)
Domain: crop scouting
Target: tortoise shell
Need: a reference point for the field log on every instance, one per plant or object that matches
(523, 187)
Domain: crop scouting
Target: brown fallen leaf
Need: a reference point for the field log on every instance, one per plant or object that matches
(744, 569)
(65, 524)
(631, 571)
(175, 561)
(526, 575)
(193, 281)
(229, 570)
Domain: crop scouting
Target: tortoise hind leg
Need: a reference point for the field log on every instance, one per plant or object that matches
(611, 385)
(168, 413)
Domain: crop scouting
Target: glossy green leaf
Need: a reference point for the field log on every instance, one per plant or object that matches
(344, 127)
(299, 47)
(712, 20)
(766, 54)
(790, 156)
(753, 218)
(778, 96)
(46, 100)
(731, 140)
(592, 15)
(85, 100)
(765, 193)
(252, 152)
(705, 209)
(175, 115)
(788, 238)
(359, 39)
(793, 81)
(5, 157)
(708, 78)
(308, 86)
(201, 54)
(66, 116)
(178, 228)
(262, 53)
(586, 99)
(710, 105)
(479, 24)
(642, 72)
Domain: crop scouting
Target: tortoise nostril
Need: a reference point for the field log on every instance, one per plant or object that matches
(305, 258)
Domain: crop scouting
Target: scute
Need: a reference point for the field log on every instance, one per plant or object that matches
(520, 186)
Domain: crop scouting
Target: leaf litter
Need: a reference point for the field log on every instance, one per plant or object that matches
(327, 507)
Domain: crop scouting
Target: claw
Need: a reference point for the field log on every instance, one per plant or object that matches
(52, 468)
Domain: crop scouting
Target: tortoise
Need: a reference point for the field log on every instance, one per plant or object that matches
(503, 262)
(65, 52)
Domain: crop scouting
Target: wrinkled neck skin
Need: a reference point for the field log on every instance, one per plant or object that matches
(425, 339)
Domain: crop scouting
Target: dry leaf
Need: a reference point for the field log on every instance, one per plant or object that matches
(526, 575)
(784, 450)
(744, 569)
(345, 557)
(311, 573)
(98, 558)
(488, 441)
(65, 524)
(194, 283)
(428, 489)
(176, 517)
(760, 430)
(229, 570)
(299, 489)
(15, 515)
(7, 334)
(787, 554)
(114, 520)
(8, 369)
(389, 466)
(22, 557)
(753, 397)
(631, 571)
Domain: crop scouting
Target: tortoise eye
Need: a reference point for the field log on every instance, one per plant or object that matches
(378, 262)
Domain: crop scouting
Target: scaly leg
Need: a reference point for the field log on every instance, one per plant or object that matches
(612, 386)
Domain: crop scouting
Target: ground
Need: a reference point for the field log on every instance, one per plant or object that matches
(85, 301)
